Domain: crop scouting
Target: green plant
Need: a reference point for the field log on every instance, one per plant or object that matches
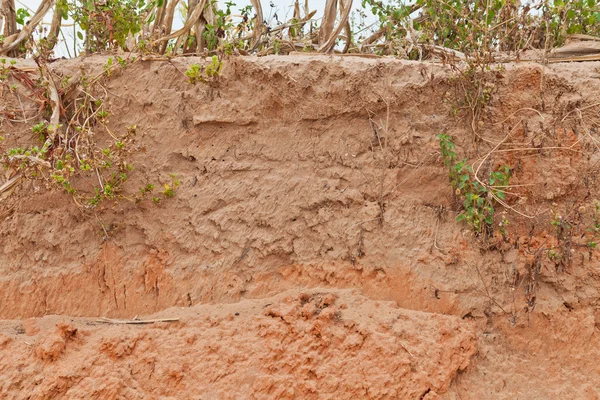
(123, 62)
(474, 28)
(40, 129)
(74, 168)
(502, 225)
(564, 17)
(478, 28)
(108, 66)
(214, 68)
(211, 72)
(144, 191)
(563, 229)
(194, 73)
(4, 70)
(478, 200)
(169, 189)
(22, 13)
(106, 24)
(220, 28)
(277, 46)
(554, 255)
(562, 226)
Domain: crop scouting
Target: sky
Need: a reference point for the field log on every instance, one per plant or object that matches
(282, 9)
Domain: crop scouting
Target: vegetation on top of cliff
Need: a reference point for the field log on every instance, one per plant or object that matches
(417, 29)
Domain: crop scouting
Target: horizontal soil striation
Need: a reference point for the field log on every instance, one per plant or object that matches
(286, 181)
(281, 176)
(307, 172)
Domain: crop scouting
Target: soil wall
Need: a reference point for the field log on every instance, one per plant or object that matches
(311, 250)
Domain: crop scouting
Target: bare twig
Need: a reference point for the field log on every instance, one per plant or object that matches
(135, 321)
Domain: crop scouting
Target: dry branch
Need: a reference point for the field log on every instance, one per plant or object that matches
(15, 40)
(54, 99)
(578, 45)
(54, 28)
(593, 57)
(348, 38)
(158, 21)
(135, 321)
(258, 22)
(32, 159)
(1, 16)
(8, 18)
(298, 24)
(168, 24)
(193, 18)
(328, 46)
(447, 53)
(374, 37)
(328, 21)
(52, 129)
(10, 184)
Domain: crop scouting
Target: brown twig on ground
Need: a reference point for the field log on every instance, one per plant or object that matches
(135, 321)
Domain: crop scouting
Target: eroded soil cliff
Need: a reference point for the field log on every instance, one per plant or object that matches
(311, 250)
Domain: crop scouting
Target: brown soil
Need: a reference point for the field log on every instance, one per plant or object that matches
(306, 254)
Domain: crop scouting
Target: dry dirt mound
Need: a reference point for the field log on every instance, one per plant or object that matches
(299, 173)
(314, 344)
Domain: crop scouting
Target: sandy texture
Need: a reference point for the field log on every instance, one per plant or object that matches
(286, 187)
(317, 344)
